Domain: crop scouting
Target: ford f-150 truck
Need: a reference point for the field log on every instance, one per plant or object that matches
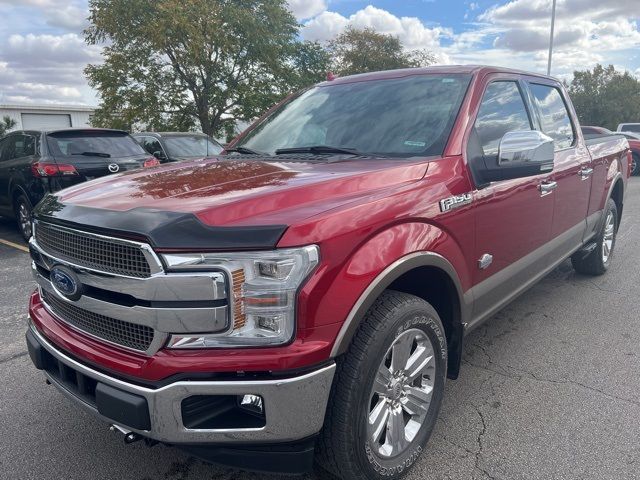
(305, 295)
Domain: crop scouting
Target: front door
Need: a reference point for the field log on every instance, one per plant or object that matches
(513, 217)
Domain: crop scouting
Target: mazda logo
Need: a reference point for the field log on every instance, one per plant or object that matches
(65, 282)
(113, 167)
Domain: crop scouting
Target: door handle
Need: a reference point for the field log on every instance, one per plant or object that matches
(585, 172)
(547, 187)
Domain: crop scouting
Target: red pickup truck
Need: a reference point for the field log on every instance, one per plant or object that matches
(305, 295)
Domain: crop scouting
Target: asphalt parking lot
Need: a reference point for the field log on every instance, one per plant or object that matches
(549, 389)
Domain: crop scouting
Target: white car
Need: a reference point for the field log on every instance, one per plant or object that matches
(629, 127)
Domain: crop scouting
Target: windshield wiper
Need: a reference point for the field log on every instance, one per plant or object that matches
(318, 149)
(93, 154)
(245, 150)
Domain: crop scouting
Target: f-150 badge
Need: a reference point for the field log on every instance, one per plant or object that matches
(456, 201)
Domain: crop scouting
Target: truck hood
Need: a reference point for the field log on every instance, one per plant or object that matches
(228, 192)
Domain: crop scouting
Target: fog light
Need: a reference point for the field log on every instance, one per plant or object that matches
(253, 403)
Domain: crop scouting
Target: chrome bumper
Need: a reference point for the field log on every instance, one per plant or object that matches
(294, 407)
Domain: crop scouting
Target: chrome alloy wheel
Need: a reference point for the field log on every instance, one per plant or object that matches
(24, 219)
(609, 232)
(401, 393)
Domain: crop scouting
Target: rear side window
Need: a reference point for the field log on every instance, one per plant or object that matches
(502, 110)
(98, 144)
(553, 114)
(25, 146)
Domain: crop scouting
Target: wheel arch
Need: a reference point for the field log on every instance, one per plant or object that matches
(427, 275)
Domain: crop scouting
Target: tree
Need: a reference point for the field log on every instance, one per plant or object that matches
(358, 51)
(195, 63)
(6, 124)
(605, 96)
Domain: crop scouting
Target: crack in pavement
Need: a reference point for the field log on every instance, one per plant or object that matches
(479, 452)
(13, 357)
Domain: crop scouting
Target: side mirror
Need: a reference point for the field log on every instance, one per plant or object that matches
(160, 155)
(522, 154)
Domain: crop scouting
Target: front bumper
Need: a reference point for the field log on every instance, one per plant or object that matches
(294, 407)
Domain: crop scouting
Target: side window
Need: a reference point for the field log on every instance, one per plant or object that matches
(3, 149)
(8, 148)
(502, 110)
(553, 114)
(24, 146)
(150, 144)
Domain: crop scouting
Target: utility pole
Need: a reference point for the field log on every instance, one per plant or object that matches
(553, 22)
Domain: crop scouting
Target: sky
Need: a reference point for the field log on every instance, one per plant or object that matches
(43, 54)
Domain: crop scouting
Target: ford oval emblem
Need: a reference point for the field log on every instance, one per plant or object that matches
(113, 167)
(65, 282)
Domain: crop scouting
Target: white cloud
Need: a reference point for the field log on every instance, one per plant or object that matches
(303, 9)
(410, 30)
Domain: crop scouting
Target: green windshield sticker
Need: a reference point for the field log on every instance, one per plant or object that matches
(411, 143)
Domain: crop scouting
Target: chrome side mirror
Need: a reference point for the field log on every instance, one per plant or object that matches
(527, 146)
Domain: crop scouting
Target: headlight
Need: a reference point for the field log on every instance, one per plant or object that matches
(262, 294)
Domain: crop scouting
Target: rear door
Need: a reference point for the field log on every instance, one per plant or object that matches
(96, 153)
(16, 154)
(513, 218)
(573, 171)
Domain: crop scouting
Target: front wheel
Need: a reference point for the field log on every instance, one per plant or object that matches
(23, 216)
(387, 391)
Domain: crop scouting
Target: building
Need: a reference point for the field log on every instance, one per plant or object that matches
(47, 117)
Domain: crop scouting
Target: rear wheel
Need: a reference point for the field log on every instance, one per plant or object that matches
(387, 391)
(22, 208)
(597, 261)
(635, 164)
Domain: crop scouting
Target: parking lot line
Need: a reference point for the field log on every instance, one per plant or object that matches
(14, 245)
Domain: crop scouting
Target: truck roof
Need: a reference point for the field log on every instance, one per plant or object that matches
(442, 69)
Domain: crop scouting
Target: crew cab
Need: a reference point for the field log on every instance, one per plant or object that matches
(34, 163)
(305, 296)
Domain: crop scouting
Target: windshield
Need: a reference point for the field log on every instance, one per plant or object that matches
(196, 146)
(93, 143)
(394, 117)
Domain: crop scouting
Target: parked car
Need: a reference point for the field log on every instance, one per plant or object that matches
(34, 163)
(177, 146)
(633, 138)
(629, 127)
(308, 293)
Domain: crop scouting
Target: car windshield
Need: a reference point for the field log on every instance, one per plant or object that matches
(191, 146)
(93, 143)
(403, 117)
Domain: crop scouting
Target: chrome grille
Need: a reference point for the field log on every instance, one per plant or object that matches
(92, 251)
(126, 334)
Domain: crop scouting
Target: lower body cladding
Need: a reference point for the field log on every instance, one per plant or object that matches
(265, 425)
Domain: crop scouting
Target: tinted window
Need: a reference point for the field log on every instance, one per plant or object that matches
(502, 110)
(196, 146)
(4, 148)
(24, 146)
(397, 117)
(111, 144)
(554, 115)
(631, 128)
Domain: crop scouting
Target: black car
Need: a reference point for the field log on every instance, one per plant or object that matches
(34, 163)
(176, 146)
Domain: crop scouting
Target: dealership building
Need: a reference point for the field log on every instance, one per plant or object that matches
(47, 117)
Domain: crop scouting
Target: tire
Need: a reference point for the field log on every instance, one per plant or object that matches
(635, 164)
(22, 209)
(598, 260)
(346, 446)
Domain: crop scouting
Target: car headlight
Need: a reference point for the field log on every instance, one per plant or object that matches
(262, 294)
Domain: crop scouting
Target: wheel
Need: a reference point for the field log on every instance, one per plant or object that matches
(635, 164)
(598, 260)
(387, 391)
(23, 216)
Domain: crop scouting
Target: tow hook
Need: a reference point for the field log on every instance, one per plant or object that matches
(132, 437)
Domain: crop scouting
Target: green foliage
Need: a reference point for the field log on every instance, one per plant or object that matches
(605, 97)
(6, 124)
(171, 64)
(358, 51)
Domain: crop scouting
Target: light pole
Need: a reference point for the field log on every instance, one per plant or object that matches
(553, 22)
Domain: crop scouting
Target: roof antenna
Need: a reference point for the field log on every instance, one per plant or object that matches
(330, 76)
